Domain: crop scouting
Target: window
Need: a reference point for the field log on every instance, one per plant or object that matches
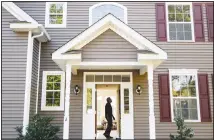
(98, 11)
(179, 22)
(184, 95)
(126, 101)
(56, 13)
(89, 100)
(53, 90)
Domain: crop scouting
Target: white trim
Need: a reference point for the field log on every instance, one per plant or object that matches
(105, 3)
(125, 117)
(38, 73)
(152, 132)
(109, 22)
(43, 100)
(18, 12)
(67, 102)
(28, 83)
(47, 16)
(185, 72)
(191, 16)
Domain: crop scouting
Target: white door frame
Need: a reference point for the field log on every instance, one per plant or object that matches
(130, 117)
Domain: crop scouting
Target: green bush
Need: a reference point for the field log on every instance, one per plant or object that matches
(39, 128)
(184, 133)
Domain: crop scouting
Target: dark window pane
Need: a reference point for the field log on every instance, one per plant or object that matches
(187, 17)
(179, 9)
(52, 8)
(50, 78)
(125, 78)
(177, 112)
(192, 103)
(89, 100)
(188, 35)
(49, 86)
(171, 8)
(172, 27)
(180, 27)
(57, 78)
(59, 8)
(180, 35)
(56, 102)
(57, 94)
(98, 78)
(171, 17)
(186, 9)
(192, 91)
(184, 104)
(184, 92)
(185, 113)
(108, 78)
(126, 100)
(187, 27)
(179, 17)
(56, 86)
(48, 102)
(116, 78)
(193, 114)
(58, 21)
(176, 103)
(172, 35)
(89, 78)
(49, 94)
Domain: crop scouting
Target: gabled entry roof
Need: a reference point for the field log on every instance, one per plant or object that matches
(116, 25)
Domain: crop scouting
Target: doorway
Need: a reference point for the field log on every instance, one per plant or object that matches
(124, 83)
(103, 91)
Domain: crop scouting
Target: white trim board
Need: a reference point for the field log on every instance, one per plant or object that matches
(18, 12)
(109, 22)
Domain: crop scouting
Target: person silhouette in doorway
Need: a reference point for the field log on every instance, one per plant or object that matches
(108, 116)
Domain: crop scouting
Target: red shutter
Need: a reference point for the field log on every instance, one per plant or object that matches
(209, 7)
(161, 22)
(204, 97)
(164, 95)
(198, 22)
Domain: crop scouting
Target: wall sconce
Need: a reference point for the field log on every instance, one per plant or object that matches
(138, 89)
(76, 89)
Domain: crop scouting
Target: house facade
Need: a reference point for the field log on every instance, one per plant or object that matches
(58, 58)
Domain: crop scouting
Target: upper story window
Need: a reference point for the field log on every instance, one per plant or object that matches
(99, 10)
(179, 21)
(184, 95)
(56, 13)
(53, 84)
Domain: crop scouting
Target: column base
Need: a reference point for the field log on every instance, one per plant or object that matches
(152, 127)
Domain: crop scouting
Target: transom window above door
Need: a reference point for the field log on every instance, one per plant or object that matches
(56, 13)
(99, 10)
(179, 21)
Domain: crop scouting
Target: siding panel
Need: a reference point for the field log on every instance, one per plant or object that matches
(13, 76)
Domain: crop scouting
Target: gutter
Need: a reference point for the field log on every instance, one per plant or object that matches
(28, 79)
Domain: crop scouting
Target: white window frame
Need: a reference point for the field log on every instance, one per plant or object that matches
(47, 15)
(105, 3)
(192, 22)
(44, 81)
(185, 72)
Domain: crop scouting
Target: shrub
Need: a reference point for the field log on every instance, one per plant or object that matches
(39, 128)
(184, 133)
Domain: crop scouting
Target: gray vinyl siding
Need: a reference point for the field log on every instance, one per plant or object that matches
(109, 47)
(14, 57)
(34, 78)
(141, 17)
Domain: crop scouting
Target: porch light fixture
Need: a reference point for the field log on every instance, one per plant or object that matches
(138, 89)
(76, 89)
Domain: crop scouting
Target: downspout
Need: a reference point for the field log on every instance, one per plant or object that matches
(38, 74)
(28, 79)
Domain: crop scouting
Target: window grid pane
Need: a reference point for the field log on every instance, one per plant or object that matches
(53, 89)
(184, 97)
(179, 15)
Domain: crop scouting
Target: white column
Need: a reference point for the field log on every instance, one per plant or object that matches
(151, 103)
(28, 83)
(67, 102)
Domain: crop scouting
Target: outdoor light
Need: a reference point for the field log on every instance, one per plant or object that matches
(76, 89)
(138, 89)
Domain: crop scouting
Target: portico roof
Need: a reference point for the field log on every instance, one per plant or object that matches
(147, 51)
